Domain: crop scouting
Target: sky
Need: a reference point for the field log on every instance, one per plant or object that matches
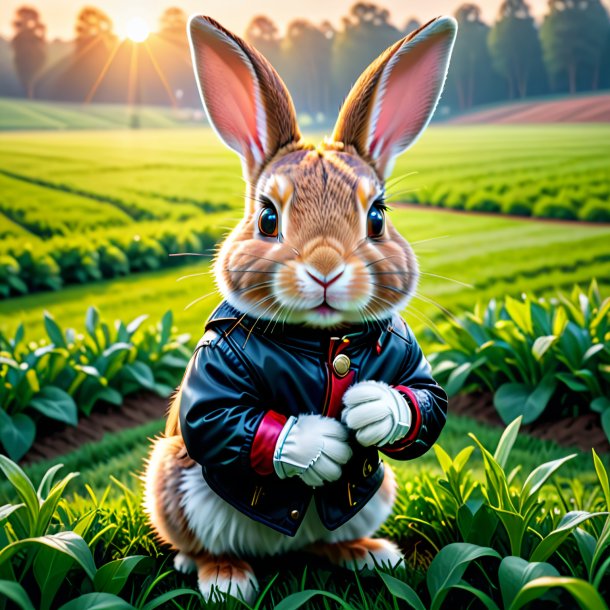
(59, 15)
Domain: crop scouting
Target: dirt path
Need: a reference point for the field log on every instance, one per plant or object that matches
(583, 432)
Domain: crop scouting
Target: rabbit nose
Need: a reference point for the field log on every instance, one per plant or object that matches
(324, 280)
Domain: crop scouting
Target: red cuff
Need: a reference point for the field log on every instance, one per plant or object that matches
(415, 422)
(263, 445)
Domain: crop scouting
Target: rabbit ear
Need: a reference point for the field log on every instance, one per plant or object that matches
(395, 97)
(245, 100)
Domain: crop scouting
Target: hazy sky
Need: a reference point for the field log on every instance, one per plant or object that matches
(59, 15)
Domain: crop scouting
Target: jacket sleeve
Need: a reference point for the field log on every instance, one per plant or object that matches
(427, 400)
(221, 416)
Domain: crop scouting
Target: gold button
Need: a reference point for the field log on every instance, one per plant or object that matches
(295, 514)
(341, 365)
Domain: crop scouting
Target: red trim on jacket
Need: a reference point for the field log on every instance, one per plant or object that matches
(263, 445)
(415, 422)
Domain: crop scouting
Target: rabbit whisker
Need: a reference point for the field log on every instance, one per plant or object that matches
(423, 241)
(449, 279)
(201, 298)
(186, 277)
(262, 258)
(398, 179)
(250, 271)
(379, 260)
(442, 308)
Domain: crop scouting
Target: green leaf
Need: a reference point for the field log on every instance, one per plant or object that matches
(166, 326)
(49, 506)
(506, 442)
(97, 601)
(17, 433)
(586, 545)
(53, 330)
(8, 509)
(477, 522)
(55, 403)
(135, 324)
(538, 477)
(64, 542)
(140, 373)
(551, 542)
(111, 577)
(402, 590)
(459, 375)
(47, 481)
(162, 600)
(50, 570)
(585, 594)
(517, 399)
(92, 319)
(572, 382)
(443, 458)
(542, 345)
(521, 314)
(599, 405)
(515, 573)
(602, 475)
(297, 600)
(489, 603)
(23, 486)
(448, 567)
(16, 593)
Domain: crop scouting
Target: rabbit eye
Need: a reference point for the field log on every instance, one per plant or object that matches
(375, 221)
(268, 222)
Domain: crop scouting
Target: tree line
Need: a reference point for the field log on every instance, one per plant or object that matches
(513, 57)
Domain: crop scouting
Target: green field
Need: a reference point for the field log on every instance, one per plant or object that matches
(126, 182)
(17, 114)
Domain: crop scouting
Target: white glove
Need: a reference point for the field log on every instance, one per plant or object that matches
(312, 447)
(377, 413)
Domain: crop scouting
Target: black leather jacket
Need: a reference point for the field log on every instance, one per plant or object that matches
(242, 370)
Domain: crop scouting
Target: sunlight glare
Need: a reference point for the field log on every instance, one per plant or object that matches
(137, 29)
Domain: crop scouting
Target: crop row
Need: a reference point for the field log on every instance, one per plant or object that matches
(64, 375)
(48, 208)
(29, 267)
(542, 358)
(585, 197)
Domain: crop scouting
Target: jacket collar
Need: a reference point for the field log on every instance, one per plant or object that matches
(305, 336)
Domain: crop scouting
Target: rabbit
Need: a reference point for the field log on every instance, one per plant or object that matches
(305, 372)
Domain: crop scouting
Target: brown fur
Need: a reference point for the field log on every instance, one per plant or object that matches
(322, 195)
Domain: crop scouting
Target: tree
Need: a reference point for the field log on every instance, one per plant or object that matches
(95, 45)
(29, 46)
(172, 25)
(93, 29)
(366, 33)
(573, 37)
(471, 72)
(263, 34)
(307, 51)
(411, 25)
(515, 47)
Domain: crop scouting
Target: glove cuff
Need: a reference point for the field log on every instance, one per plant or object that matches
(401, 414)
(278, 465)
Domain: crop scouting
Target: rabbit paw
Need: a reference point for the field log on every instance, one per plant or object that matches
(223, 579)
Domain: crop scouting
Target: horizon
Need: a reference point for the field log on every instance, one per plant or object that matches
(60, 15)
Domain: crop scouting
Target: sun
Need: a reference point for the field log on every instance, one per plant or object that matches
(137, 29)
